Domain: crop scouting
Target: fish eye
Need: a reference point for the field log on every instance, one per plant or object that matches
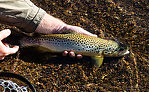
(110, 48)
(121, 49)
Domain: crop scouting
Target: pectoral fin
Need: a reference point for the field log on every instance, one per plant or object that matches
(97, 61)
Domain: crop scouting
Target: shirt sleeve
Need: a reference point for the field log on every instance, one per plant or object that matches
(21, 13)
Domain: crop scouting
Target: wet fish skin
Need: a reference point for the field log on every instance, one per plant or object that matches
(79, 43)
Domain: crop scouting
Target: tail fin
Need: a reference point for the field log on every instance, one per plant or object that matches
(15, 37)
(12, 40)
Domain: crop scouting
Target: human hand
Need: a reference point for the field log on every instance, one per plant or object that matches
(50, 25)
(4, 48)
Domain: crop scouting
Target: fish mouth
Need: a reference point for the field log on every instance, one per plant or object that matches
(127, 52)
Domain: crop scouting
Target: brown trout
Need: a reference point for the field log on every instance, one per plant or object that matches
(86, 45)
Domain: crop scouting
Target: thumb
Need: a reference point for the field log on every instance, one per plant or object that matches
(13, 50)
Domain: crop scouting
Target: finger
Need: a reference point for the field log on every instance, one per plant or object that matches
(79, 56)
(4, 33)
(12, 50)
(72, 54)
(5, 50)
(80, 30)
(65, 53)
(6, 45)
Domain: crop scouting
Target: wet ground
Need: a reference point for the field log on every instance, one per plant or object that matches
(126, 20)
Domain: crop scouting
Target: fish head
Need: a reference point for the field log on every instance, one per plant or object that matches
(116, 51)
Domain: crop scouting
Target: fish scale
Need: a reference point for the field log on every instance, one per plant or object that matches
(79, 43)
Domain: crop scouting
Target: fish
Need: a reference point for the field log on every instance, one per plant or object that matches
(95, 47)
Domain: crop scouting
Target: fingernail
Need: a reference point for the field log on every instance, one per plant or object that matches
(65, 53)
(79, 56)
(72, 54)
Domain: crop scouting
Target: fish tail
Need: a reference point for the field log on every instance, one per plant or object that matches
(12, 40)
(15, 38)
